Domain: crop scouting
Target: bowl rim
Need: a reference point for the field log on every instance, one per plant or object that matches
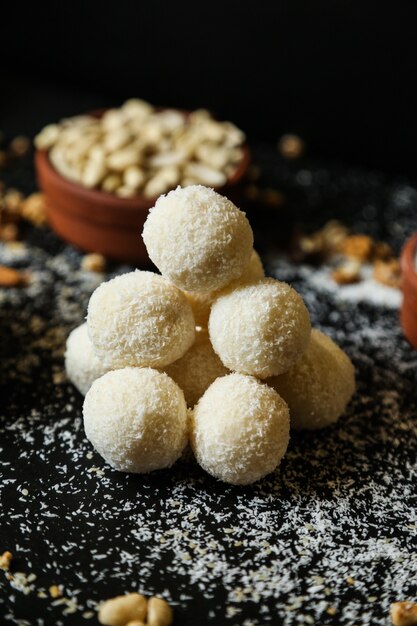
(135, 202)
(408, 261)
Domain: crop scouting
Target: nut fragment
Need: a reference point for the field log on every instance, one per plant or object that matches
(33, 209)
(120, 610)
(13, 200)
(9, 232)
(388, 272)
(404, 613)
(5, 560)
(382, 250)
(11, 278)
(136, 622)
(159, 612)
(347, 273)
(19, 146)
(55, 591)
(291, 146)
(94, 262)
(358, 247)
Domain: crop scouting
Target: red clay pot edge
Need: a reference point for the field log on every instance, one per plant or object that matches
(408, 313)
(408, 264)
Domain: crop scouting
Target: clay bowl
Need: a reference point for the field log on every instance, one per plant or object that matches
(408, 315)
(96, 221)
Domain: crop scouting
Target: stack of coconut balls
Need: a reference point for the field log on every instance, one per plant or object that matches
(210, 333)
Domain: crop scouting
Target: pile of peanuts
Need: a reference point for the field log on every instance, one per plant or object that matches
(139, 150)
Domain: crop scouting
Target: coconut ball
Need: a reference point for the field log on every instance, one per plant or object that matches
(136, 418)
(197, 238)
(201, 301)
(319, 386)
(239, 429)
(139, 319)
(261, 329)
(81, 364)
(197, 369)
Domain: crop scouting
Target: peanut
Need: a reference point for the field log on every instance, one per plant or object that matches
(348, 273)
(5, 560)
(205, 175)
(122, 159)
(11, 278)
(120, 610)
(159, 612)
(47, 137)
(94, 262)
(134, 177)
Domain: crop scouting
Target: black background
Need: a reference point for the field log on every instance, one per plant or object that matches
(342, 74)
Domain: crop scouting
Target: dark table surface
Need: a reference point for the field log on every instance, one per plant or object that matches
(329, 538)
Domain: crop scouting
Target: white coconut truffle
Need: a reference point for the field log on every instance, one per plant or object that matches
(319, 386)
(81, 364)
(197, 369)
(197, 238)
(136, 418)
(260, 329)
(139, 319)
(239, 429)
(201, 301)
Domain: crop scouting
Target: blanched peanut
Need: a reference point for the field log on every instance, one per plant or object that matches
(152, 133)
(159, 612)
(213, 156)
(168, 158)
(125, 192)
(134, 177)
(171, 120)
(212, 131)
(113, 118)
(60, 163)
(162, 181)
(136, 109)
(111, 183)
(233, 135)
(121, 159)
(47, 137)
(205, 175)
(94, 172)
(117, 138)
(120, 610)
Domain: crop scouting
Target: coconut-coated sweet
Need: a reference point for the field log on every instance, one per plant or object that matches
(197, 369)
(319, 386)
(136, 419)
(197, 238)
(139, 319)
(260, 329)
(239, 429)
(81, 364)
(201, 301)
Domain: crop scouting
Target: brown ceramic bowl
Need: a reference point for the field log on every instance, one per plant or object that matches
(97, 221)
(408, 314)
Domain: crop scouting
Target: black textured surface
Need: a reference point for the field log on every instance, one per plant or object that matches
(330, 538)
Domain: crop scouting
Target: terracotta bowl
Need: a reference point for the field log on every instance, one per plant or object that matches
(408, 314)
(96, 221)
